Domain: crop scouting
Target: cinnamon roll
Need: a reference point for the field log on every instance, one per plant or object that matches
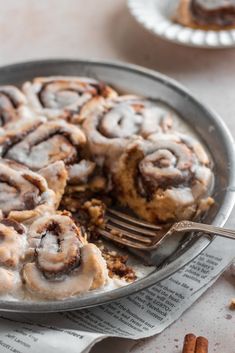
(56, 176)
(23, 193)
(12, 247)
(164, 180)
(64, 96)
(7, 281)
(14, 112)
(43, 144)
(12, 244)
(110, 124)
(64, 264)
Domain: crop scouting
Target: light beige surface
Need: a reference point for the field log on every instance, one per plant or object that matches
(32, 29)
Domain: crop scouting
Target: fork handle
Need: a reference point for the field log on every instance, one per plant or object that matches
(185, 226)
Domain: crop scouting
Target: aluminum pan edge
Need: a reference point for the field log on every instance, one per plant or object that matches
(202, 242)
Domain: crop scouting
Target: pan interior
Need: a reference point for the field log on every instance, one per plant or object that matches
(206, 124)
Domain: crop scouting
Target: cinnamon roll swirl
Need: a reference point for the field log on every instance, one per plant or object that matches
(64, 264)
(164, 180)
(43, 144)
(64, 96)
(14, 112)
(23, 193)
(12, 100)
(110, 124)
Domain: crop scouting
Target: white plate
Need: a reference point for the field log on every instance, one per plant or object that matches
(156, 16)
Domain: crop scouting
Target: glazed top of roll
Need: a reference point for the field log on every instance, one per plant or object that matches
(11, 99)
(14, 110)
(63, 96)
(172, 160)
(165, 179)
(110, 124)
(63, 264)
(23, 193)
(43, 144)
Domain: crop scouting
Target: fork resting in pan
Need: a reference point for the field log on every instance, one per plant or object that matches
(134, 233)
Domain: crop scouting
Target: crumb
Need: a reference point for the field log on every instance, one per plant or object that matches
(96, 210)
(65, 213)
(116, 232)
(117, 265)
(232, 304)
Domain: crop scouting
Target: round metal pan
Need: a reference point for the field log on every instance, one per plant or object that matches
(210, 128)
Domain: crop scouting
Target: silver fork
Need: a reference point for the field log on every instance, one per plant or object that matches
(134, 233)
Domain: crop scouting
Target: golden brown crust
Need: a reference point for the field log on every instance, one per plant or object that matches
(7, 280)
(11, 246)
(56, 176)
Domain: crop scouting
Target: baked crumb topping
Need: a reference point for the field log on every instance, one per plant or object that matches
(117, 265)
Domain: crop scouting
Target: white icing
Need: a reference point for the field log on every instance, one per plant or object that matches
(92, 270)
(118, 125)
(61, 94)
(47, 144)
(182, 196)
(80, 172)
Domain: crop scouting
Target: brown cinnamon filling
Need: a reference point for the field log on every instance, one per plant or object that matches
(7, 109)
(217, 12)
(58, 88)
(8, 142)
(163, 169)
(16, 225)
(13, 197)
(58, 251)
(100, 89)
(117, 265)
(121, 122)
(52, 140)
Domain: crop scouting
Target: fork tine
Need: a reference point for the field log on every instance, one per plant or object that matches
(128, 234)
(129, 226)
(122, 241)
(133, 220)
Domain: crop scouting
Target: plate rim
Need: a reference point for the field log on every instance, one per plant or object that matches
(141, 21)
(80, 302)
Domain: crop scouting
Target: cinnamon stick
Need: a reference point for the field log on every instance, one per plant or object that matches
(201, 345)
(189, 343)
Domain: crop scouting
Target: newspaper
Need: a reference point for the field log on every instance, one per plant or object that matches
(141, 315)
